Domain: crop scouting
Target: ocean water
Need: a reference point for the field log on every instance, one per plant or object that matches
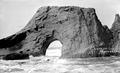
(53, 64)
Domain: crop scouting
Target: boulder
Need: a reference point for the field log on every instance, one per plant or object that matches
(15, 56)
(78, 29)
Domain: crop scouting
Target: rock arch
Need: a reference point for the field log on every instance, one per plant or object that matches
(78, 29)
(46, 44)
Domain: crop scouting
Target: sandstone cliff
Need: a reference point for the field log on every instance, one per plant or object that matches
(78, 29)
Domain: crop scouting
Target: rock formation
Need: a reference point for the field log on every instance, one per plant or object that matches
(16, 56)
(78, 29)
(116, 34)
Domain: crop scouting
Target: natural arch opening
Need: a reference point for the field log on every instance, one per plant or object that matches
(54, 49)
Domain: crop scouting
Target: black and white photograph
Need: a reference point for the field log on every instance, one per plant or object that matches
(59, 36)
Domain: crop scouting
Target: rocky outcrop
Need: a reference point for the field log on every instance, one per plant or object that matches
(15, 56)
(78, 29)
(116, 34)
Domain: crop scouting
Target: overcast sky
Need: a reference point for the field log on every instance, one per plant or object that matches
(15, 14)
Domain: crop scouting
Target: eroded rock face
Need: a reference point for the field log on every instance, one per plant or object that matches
(78, 29)
(116, 33)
